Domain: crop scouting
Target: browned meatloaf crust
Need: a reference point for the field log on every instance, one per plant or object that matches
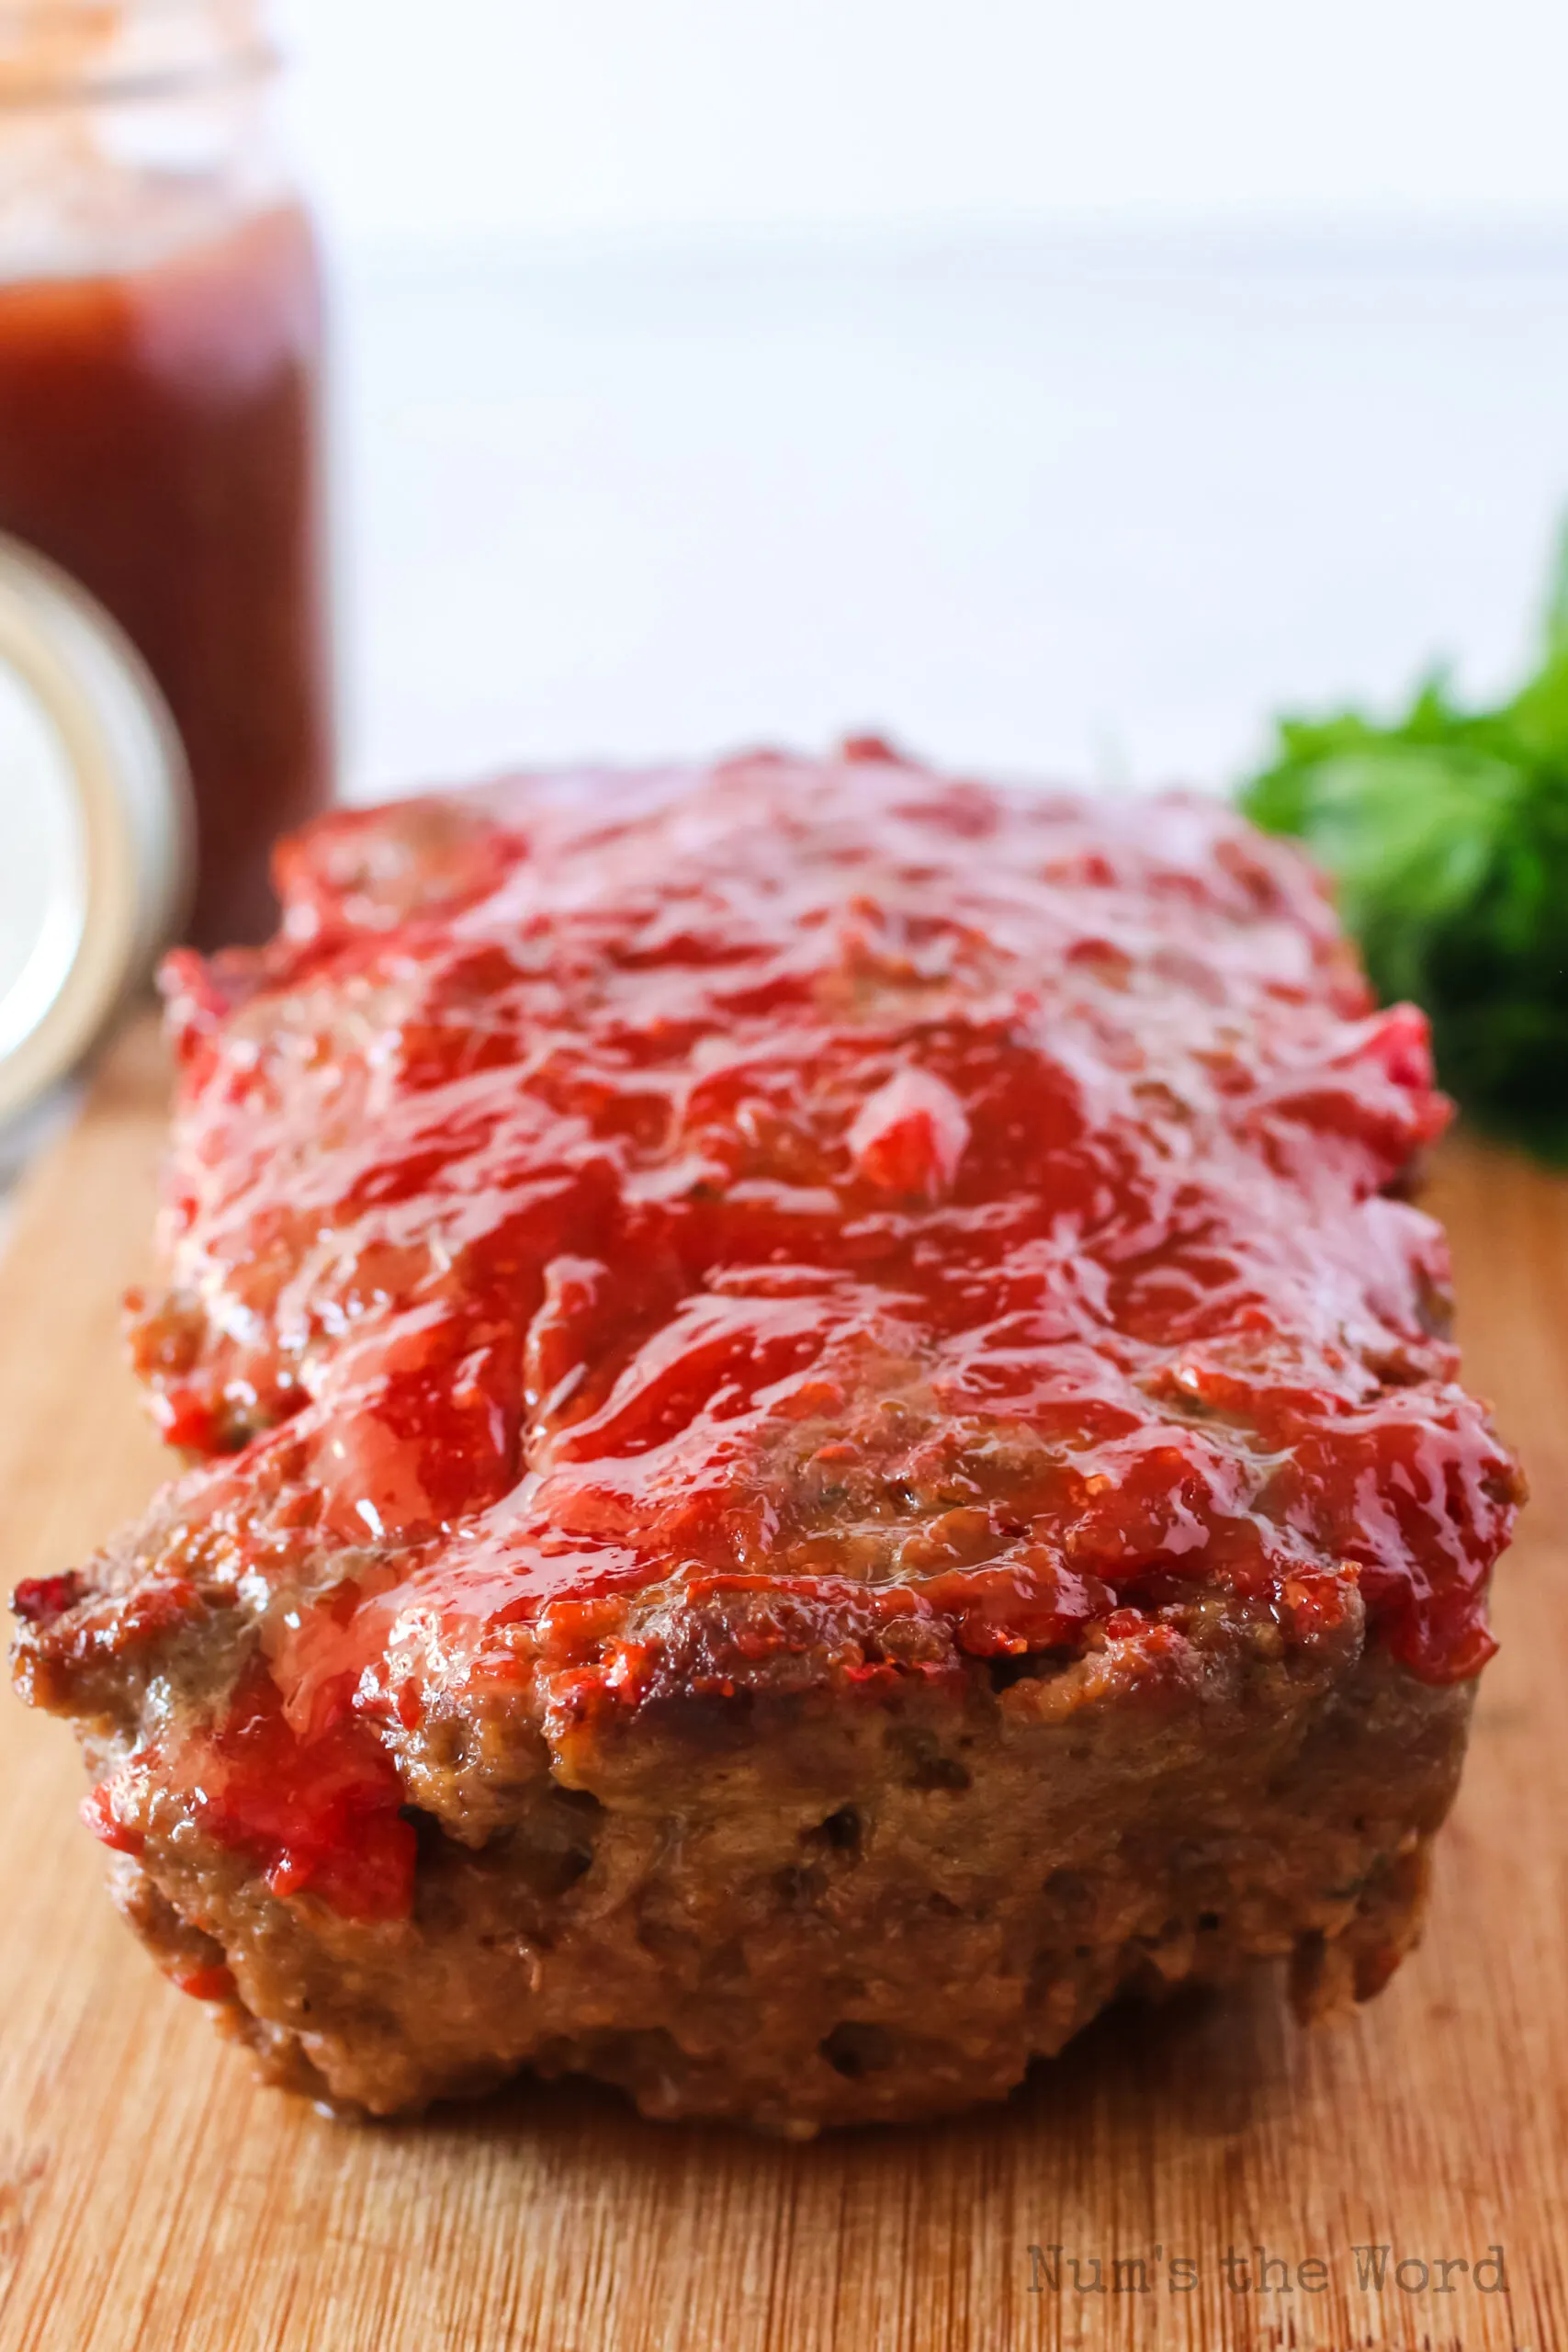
(821, 1435)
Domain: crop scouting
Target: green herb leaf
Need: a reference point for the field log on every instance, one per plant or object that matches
(1447, 833)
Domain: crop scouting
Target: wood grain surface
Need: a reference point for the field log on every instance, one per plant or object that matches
(153, 2195)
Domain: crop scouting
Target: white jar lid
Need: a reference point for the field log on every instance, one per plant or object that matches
(96, 830)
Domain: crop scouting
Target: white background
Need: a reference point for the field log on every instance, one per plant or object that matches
(728, 115)
(1060, 388)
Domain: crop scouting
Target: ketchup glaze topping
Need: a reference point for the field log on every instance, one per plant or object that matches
(868, 1199)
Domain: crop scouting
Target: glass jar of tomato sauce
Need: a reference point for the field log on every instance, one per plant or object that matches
(160, 380)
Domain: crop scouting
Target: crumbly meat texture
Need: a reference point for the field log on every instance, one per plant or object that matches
(822, 1432)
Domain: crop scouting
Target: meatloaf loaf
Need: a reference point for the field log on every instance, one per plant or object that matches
(820, 1434)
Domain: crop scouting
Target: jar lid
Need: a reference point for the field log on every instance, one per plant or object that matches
(96, 831)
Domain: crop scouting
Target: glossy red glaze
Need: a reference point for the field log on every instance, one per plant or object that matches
(318, 1811)
(39, 1600)
(211, 1983)
(812, 1178)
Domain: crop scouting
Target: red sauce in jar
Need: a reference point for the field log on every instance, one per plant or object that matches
(159, 439)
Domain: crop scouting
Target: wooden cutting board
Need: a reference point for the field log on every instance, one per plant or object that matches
(151, 2196)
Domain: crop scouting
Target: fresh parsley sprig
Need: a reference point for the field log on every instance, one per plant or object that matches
(1447, 833)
